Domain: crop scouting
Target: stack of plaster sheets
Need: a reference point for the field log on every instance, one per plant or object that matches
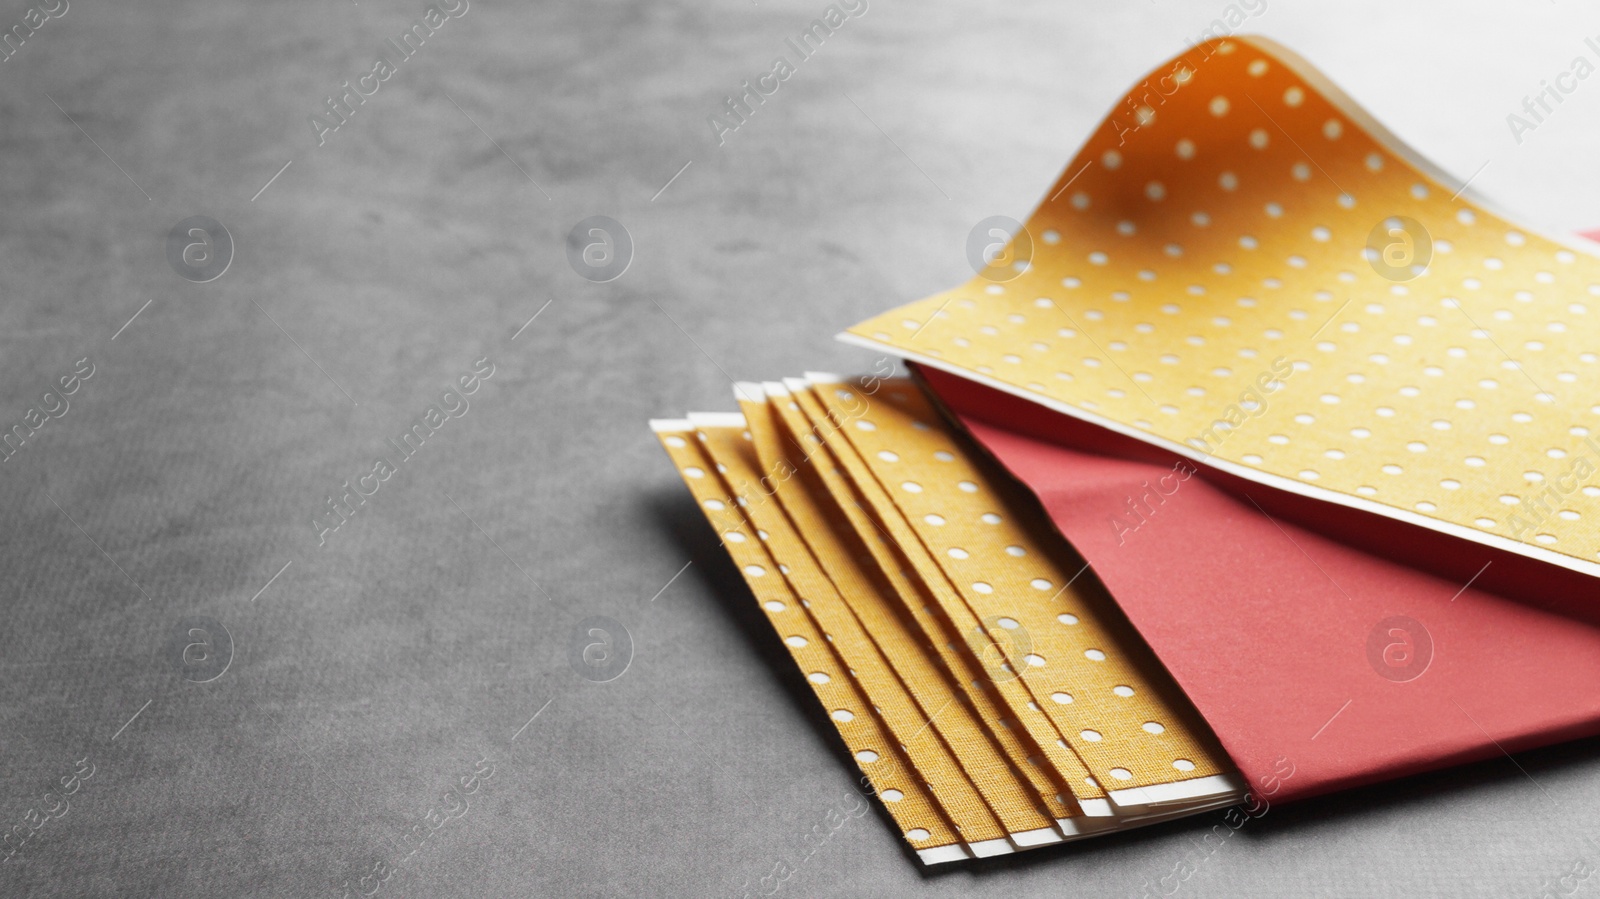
(993, 695)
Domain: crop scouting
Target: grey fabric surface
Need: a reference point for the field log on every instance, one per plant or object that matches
(406, 656)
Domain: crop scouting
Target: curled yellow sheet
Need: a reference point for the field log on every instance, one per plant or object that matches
(1243, 267)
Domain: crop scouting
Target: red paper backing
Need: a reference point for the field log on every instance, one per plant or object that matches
(1265, 621)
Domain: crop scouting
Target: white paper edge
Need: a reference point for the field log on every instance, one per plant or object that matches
(991, 848)
(1103, 826)
(717, 419)
(1085, 826)
(938, 855)
(1097, 808)
(1073, 829)
(822, 377)
(663, 425)
(1043, 836)
(1214, 785)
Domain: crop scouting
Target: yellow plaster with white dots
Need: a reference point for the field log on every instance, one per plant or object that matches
(1229, 269)
(1006, 570)
(893, 775)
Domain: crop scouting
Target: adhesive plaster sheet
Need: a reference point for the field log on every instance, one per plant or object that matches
(886, 766)
(858, 599)
(1009, 573)
(927, 598)
(1242, 267)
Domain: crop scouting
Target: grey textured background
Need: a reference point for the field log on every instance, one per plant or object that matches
(378, 669)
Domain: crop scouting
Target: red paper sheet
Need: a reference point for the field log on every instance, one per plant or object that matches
(1300, 629)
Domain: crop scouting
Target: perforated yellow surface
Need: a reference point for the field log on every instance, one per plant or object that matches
(892, 773)
(1085, 669)
(998, 701)
(863, 603)
(1243, 267)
